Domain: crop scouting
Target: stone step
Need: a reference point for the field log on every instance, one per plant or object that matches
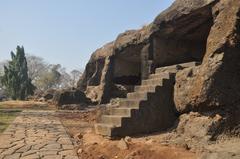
(130, 116)
(138, 95)
(129, 102)
(159, 75)
(189, 64)
(122, 111)
(145, 88)
(103, 129)
(115, 120)
(175, 68)
(171, 69)
(156, 81)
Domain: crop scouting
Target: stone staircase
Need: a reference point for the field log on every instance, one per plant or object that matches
(149, 108)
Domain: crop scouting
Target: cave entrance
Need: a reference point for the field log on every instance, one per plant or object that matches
(182, 40)
(127, 71)
(127, 67)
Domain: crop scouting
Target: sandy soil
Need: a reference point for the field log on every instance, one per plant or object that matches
(91, 146)
(94, 146)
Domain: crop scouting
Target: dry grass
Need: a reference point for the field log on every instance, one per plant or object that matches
(6, 117)
(25, 105)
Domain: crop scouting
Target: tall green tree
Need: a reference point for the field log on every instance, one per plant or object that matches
(15, 78)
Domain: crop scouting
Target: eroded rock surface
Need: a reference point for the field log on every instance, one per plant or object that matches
(177, 35)
(215, 83)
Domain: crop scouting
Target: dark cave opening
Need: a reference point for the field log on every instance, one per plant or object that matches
(127, 71)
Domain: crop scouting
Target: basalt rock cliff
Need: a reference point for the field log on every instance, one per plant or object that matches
(204, 31)
(177, 35)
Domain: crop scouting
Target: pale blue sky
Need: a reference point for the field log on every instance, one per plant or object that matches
(68, 31)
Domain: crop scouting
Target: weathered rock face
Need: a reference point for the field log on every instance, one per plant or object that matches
(93, 71)
(215, 84)
(190, 30)
(127, 61)
(114, 69)
(177, 35)
(180, 33)
(196, 131)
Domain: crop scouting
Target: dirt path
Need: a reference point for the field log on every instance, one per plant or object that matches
(36, 134)
(92, 146)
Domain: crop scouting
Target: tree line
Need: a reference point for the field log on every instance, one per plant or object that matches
(25, 74)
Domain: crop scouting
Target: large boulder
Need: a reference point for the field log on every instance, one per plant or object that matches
(215, 84)
(199, 127)
(65, 97)
(49, 94)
